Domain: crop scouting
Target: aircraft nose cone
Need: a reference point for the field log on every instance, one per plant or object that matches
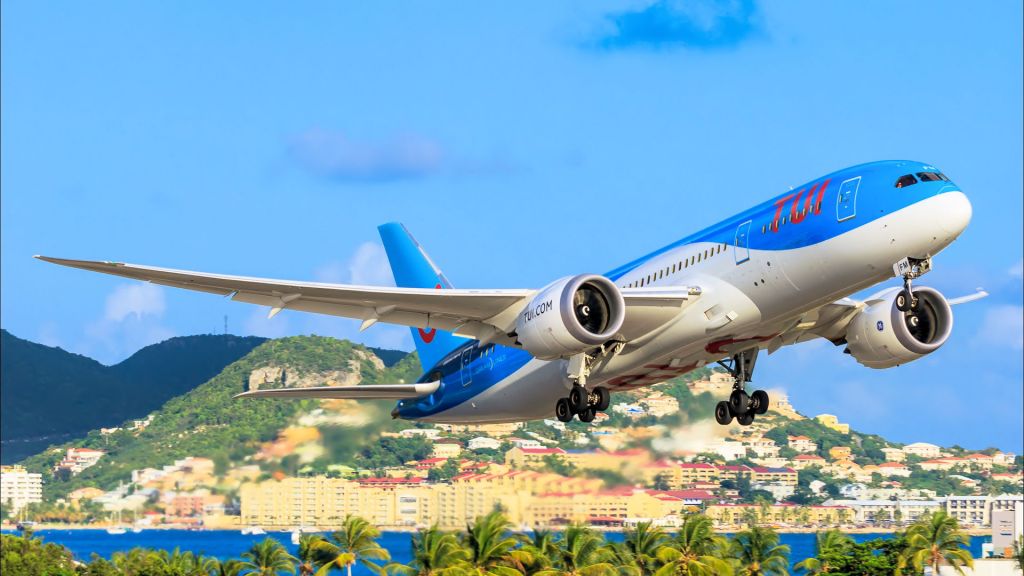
(954, 212)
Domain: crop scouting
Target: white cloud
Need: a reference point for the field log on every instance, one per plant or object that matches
(1017, 270)
(131, 320)
(135, 299)
(369, 266)
(1003, 327)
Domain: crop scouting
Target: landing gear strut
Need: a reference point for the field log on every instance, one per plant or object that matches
(909, 269)
(741, 406)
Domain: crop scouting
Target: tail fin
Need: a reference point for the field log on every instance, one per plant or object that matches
(412, 268)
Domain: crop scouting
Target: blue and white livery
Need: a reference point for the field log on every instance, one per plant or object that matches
(777, 274)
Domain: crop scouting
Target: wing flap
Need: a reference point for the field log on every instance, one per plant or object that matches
(365, 392)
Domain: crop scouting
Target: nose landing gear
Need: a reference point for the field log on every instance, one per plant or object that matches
(739, 405)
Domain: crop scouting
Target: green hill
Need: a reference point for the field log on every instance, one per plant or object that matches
(208, 422)
(49, 395)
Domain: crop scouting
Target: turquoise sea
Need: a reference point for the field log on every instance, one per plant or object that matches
(231, 543)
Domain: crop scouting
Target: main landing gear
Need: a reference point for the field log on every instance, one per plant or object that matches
(741, 406)
(583, 403)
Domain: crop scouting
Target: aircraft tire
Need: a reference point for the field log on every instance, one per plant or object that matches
(723, 414)
(604, 398)
(746, 419)
(563, 411)
(903, 301)
(588, 415)
(759, 399)
(739, 402)
(578, 400)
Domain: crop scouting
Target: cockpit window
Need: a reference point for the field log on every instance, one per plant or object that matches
(906, 180)
(929, 176)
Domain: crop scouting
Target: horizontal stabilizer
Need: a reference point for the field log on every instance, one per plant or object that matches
(366, 392)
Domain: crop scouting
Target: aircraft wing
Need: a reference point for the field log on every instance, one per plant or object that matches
(364, 392)
(488, 315)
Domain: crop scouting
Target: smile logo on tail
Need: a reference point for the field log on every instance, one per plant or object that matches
(428, 335)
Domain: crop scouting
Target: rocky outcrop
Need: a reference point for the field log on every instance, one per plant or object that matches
(288, 377)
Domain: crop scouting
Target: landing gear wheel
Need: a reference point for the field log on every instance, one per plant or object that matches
(562, 410)
(578, 400)
(759, 402)
(746, 419)
(739, 402)
(604, 398)
(723, 415)
(903, 301)
(588, 415)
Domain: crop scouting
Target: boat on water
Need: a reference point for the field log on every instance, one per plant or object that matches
(253, 530)
(298, 532)
(116, 530)
(136, 529)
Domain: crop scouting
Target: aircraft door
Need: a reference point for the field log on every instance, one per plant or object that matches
(846, 203)
(466, 370)
(742, 247)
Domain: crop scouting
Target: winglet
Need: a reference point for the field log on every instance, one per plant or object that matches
(981, 293)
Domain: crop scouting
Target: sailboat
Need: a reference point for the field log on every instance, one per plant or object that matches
(117, 528)
(136, 527)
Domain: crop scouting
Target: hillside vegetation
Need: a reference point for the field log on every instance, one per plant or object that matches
(49, 394)
(208, 422)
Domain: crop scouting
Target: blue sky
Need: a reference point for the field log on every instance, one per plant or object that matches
(519, 143)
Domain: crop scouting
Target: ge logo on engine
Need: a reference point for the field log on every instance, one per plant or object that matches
(880, 325)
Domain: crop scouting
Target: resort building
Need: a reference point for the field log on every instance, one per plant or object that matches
(923, 450)
(802, 444)
(739, 514)
(524, 457)
(78, 459)
(19, 488)
(894, 454)
(830, 421)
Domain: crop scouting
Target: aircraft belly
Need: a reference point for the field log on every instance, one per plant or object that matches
(529, 393)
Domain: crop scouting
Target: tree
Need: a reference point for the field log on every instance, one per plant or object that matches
(28, 556)
(435, 553)
(581, 552)
(1018, 553)
(643, 543)
(492, 551)
(268, 558)
(307, 555)
(758, 552)
(696, 550)
(826, 544)
(935, 539)
(216, 567)
(355, 542)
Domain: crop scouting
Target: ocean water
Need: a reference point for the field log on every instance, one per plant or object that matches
(231, 543)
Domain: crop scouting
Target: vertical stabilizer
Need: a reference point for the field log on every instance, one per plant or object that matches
(412, 268)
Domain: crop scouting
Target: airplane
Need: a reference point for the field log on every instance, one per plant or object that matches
(774, 275)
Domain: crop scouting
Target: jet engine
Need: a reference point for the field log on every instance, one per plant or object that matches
(882, 336)
(570, 316)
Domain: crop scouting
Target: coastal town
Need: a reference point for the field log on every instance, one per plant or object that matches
(621, 471)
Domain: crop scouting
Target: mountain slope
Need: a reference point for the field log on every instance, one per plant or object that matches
(48, 394)
(207, 421)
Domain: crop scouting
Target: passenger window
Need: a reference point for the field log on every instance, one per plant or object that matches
(929, 176)
(764, 228)
(906, 180)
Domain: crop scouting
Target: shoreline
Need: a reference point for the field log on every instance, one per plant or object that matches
(411, 529)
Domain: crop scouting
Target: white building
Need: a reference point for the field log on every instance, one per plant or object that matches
(802, 444)
(907, 510)
(78, 459)
(728, 449)
(923, 450)
(19, 487)
(894, 454)
(428, 433)
(483, 443)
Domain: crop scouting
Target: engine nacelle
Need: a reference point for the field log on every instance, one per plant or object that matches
(570, 316)
(881, 336)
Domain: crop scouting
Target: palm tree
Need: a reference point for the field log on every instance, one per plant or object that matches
(435, 553)
(492, 550)
(826, 543)
(268, 558)
(694, 551)
(1018, 552)
(758, 552)
(623, 559)
(307, 556)
(933, 540)
(581, 552)
(543, 547)
(355, 542)
(643, 543)
(217, 567)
